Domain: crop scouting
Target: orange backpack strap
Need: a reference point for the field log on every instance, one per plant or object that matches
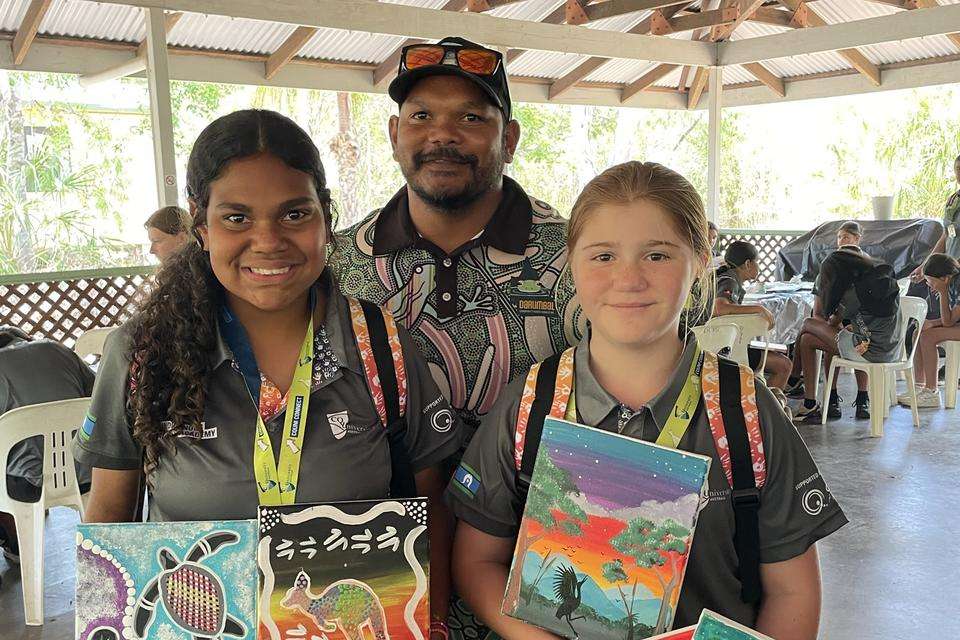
(730, 399)
(546, 392)
(378, 344)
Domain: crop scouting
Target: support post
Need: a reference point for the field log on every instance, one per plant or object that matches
(715, 105)
(161, 113)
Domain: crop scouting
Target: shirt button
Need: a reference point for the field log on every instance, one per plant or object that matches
(446, 297)
(447, 262)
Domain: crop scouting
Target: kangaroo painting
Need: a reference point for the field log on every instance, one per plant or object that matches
(347, 605)
(344, 571)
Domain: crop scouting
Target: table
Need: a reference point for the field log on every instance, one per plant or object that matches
(789, 303)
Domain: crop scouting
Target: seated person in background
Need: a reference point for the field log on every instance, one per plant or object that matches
(740, 266)
(849, 234)
(168, 229)
(32, 372)
(856, 315)
(713, 233)
(942, 274)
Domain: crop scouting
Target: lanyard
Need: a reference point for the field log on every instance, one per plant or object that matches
(277, 483)
(683, 409)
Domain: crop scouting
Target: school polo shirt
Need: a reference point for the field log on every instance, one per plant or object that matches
(729, 285)
(209, 475)
(796, 507)
(482, 314)
(951, 225)
(32, 373)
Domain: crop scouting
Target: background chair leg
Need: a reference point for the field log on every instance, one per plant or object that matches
(952, 375)
(30, 523)
(818, 360)
(911, 385)
(876, 383)
(826, 392)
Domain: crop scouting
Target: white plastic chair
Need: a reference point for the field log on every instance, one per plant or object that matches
(952, 373)
(880, 375)
(56, 422)
(90, 343)
(717, 336)
(752, 326)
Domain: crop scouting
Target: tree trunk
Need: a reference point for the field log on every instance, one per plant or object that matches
(511, 599)
(347, 152)
(668, 590)
(15, 177)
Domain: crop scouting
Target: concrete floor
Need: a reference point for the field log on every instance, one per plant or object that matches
(891, 573)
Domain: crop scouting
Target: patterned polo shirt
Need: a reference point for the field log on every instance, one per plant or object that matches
(481, 314)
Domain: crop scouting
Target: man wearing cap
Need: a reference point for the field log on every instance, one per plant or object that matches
(473, 266)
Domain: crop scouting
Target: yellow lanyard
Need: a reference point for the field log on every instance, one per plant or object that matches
(683, 409)
(277, 483)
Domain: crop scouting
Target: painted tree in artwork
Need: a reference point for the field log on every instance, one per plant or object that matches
(660, 547)
(614, 572)
(550, 504)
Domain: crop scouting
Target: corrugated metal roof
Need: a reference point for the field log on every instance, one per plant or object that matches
(84, 19)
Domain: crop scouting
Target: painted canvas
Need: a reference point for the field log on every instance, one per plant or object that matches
(345, 571)
(713, 626)
(605, 534)
(680, 634)
(166, 580)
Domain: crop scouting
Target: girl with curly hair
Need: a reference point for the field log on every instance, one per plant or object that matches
(192, 392)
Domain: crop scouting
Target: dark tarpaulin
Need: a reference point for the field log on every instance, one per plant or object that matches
(903, 244)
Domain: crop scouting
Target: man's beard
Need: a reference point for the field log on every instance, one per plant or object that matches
(483, 179)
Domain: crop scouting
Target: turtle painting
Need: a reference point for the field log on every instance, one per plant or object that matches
(191, 594)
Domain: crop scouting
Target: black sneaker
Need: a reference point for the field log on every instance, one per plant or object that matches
(794, 390)
(833, 409)
(808, 415)
(863, 410)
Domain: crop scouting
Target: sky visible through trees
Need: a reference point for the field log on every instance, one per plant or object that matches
(76, 166)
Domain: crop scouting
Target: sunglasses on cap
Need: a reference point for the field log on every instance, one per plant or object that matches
(475, 60)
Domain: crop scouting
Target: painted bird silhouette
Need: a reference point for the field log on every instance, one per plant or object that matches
(567, 589)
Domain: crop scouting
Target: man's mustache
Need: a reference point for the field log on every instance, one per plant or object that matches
(444, 154)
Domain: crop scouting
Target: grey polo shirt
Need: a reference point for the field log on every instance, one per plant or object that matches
(951, 225)
(32, 373)
(345, 453)
(482, 314)
(729, 285)
(796, 507)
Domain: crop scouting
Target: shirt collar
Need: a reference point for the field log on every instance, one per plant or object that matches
(595, 404)
(508, 229)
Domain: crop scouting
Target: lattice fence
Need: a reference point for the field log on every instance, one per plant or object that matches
(61, 306)
(768, 243)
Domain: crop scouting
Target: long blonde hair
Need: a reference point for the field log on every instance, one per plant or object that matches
(633, 181)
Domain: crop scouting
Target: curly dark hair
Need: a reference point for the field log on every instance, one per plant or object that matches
(175, 331)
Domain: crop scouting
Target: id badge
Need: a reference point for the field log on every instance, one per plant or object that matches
(952, 230)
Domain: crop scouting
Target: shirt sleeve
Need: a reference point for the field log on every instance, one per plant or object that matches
(434, 432)
(105, 439)
(568, 306)
(483, 490)
(796, 506)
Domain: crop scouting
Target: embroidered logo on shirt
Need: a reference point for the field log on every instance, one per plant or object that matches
(529, 296)
(467, 479)
(813, 502)
(442, 420)
(338, 423)
(87, 429)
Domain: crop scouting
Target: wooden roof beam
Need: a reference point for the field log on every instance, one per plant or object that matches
(28, 29)
(611, 8)
(388, 68)
(137, 64)
(568, 80)
(767, 77)
(745, 9)
(693, 21)
(805, 16)
(286, 51)
(646, 80)
(918, 4)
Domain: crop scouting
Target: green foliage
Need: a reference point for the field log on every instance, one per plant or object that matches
(613, 571)
(649, 543)
(552, 493)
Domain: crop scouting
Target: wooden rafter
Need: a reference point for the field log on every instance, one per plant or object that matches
(693, 21)
(918, 4)
(479, 6)
(773, 16)
(591, 64)
(171, 21)
(646, 80)
(697, 86)
(611, 8)
(28, 29)
(805, 16)
(290, 47)
(745, 8)
(767, 77)
(135, 65)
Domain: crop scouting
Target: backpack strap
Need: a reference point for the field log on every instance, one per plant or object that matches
(730, 398)
(546, 392)
(378, 344)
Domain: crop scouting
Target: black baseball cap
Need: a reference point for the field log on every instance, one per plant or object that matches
(494, 86)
